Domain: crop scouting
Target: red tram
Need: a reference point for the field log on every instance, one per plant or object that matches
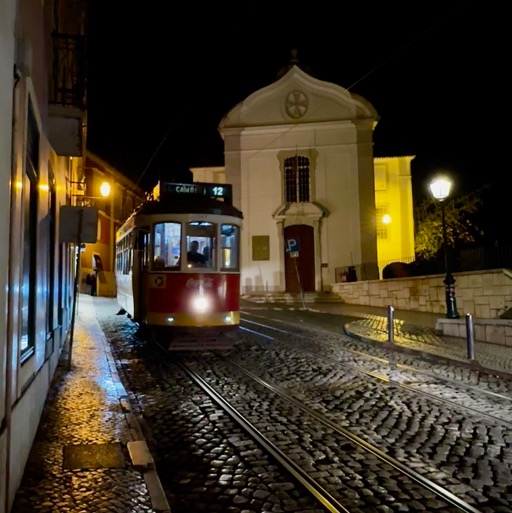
(178, 265)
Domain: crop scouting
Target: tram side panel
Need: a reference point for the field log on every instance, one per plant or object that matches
(125, 292)
(192, 300)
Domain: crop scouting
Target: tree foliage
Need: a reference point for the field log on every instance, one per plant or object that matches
(461, 228)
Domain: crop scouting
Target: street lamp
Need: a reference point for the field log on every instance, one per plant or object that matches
(440, 189)
(105, 189)
(106, 192)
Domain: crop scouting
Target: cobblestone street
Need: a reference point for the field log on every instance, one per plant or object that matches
(81, 459)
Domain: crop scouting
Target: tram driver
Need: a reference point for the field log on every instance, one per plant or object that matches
(194, 256)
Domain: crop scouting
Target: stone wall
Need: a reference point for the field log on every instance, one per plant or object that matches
(483, 294)
(495, 331)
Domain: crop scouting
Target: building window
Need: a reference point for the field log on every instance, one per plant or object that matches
(29, 264)
(51, 227)
(383, 220)
(297, 179)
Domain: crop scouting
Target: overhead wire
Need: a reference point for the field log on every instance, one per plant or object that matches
(410, 43)
(156, 151)
(363, 77)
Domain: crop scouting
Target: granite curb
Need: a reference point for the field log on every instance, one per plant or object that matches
(449, 350)
(138, 450)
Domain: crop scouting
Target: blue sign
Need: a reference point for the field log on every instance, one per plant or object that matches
(292, 245)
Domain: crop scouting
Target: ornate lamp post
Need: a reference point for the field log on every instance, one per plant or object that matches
(440, 189)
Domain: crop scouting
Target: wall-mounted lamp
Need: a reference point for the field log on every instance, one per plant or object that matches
(105, 189)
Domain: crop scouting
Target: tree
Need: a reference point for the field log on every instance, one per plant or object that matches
(461, 228)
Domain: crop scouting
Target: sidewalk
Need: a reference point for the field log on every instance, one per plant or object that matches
(418, 334)
(414, 332)
(89, 454)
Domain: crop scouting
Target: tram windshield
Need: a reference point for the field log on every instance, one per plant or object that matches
(167, 245)
(201, 237)
(199, 240)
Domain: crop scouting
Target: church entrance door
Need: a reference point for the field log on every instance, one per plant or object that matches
(302, 265)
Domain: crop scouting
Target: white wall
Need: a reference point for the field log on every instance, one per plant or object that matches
(7, 16)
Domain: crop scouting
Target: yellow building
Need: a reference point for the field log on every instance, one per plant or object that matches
(394, 210)
(115, 204)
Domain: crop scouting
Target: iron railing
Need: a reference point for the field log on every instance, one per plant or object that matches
(495, 256)
(68, 80)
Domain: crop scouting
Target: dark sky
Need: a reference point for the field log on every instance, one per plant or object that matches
(162, 75)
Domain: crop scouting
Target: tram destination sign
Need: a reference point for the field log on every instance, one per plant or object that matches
(212, 190)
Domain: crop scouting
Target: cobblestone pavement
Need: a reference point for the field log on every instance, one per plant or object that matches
(89, 454)
(202, 461)
(414, 335)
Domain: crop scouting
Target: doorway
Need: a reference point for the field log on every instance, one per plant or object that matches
(301, 264)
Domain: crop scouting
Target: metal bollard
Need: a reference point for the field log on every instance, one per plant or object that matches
(391, 325)
(470, 335)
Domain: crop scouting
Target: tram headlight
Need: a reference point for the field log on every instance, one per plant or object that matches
(201, 304)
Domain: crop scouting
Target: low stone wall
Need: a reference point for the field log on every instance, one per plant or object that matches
(495, 331)
(483, 294)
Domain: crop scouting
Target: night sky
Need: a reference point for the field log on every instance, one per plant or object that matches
(162, 75)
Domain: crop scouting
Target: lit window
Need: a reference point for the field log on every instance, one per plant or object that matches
(167, 245)
(383, 221)
(230, 247)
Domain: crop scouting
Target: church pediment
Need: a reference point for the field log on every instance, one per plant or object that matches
(298, 98)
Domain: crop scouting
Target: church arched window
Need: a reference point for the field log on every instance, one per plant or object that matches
(297, 179)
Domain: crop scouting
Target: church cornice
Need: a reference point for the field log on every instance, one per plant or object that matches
(308, 210)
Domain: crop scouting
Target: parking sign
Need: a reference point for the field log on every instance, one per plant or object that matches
(293, 247)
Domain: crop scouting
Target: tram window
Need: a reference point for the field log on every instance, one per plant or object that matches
(167, 245)
(142, 244)
(230, 243)
(201, 244)
(123, 256)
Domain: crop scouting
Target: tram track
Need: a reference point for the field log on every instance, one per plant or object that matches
(401, 376)
(316, 446)
(393, 474)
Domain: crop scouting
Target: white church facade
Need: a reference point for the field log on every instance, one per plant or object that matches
(318, 206)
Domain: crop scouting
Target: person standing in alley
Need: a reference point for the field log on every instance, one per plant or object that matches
(88, 284)
(93, 283)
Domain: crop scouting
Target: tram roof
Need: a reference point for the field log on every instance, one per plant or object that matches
(189, 204)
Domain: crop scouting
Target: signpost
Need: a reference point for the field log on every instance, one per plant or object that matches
(293, 249)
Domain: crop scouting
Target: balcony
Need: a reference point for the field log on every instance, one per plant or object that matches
(67, 95)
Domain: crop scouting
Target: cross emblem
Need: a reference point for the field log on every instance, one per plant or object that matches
(296, 104)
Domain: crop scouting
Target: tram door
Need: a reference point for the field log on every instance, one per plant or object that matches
(302, 266)
(141, 259)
